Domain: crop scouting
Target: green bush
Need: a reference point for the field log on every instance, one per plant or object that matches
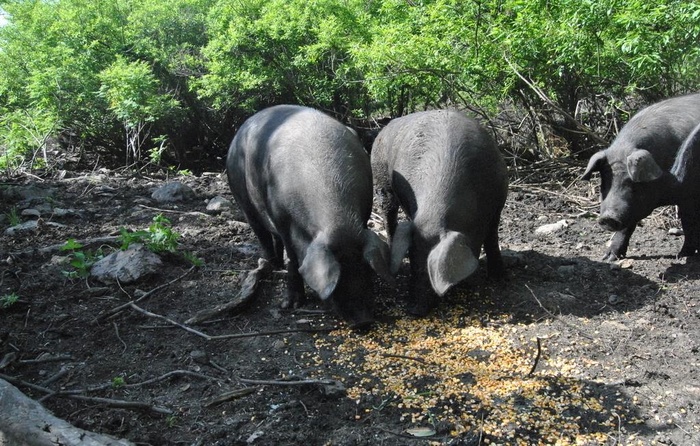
(172, 79)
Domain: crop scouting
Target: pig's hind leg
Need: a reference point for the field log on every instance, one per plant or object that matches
(494, 260)
(690, 220)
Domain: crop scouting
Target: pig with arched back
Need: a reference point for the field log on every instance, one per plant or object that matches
(635, 169)
(446, 173)
(304, 183)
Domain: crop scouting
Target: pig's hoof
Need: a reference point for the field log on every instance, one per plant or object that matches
(611, 257)
(293, 300)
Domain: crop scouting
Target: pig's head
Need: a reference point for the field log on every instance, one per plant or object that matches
(446, 257)
(341, 273)
(632, 186)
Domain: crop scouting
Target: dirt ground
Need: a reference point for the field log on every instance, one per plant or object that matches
(566, 350)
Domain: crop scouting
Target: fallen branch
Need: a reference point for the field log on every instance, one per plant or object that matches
(110, 385)
(234, 394)
(244, 296)
(227, 336)
(578, 200)
(26, 422)
(170, 321)
(46, 358)
(271, 332)
(106, 401)
(537, 358)
(328, 387)
(172, 211)
(288, 382)
(146, 295)
(121, 404)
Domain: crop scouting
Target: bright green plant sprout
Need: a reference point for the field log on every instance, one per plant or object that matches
(7, 300)
(80, 260)
(162, 237)
(118, 382)
(171, 421)
(13, 217)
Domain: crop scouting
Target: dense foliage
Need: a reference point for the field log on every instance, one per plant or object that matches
(169, 81)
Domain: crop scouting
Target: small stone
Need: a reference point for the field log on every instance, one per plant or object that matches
(217, 205)
(172, 192)
(126, 266)
(60, 212)
(614, 299)
(23, 228)
(199, 356)
(33, 213)
(626, 263)
(675, 232)
(552, 228)
(566, 270)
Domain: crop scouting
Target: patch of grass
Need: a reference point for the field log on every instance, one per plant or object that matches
(7, 300)
(13, 217)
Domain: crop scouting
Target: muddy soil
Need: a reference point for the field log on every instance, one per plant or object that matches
(566, 350)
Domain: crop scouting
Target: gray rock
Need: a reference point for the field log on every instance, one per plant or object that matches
(218, 204)
(614, 299)
(23, 228)
(566, 270)
(60, 212)
(27, 194)
(31, 226)
(552, 228)
(126, 266)
(32, 213)
(173, 192)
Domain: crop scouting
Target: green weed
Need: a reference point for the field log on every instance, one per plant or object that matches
(7, 300)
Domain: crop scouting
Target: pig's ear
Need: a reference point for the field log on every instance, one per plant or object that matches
(320, 269)
(450, 262)
(594, 165)
(642, 168)
(400, 243)
(376, 253)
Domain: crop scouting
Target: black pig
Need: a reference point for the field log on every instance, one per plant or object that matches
(447, 174)
(635, 169)
(304, 183)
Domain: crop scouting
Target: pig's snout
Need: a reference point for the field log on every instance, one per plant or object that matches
(358, 318)
(359, 321)
(610, 223)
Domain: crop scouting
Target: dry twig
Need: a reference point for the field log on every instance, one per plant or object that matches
(573, 327)
(583, 129)
(234, 394)
(146, 295)
(537, 358)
